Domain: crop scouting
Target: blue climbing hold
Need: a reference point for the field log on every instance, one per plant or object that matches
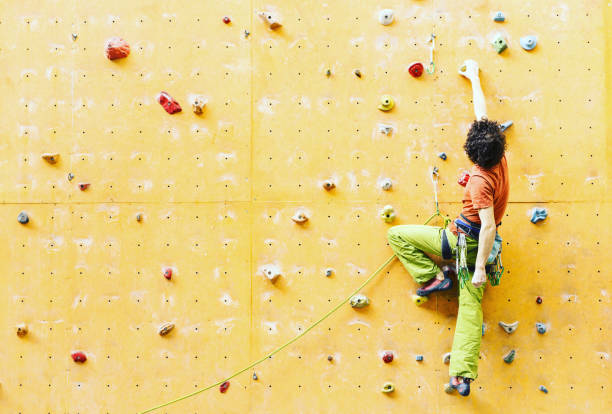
(541, 328)
(538, 214)
(483, 329)
(499, 17)
(505, 125)
(528, 42)
(442, 156)
(419, 358)
(23, 218)
(543, 389)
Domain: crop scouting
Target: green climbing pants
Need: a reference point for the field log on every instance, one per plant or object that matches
(410, 243)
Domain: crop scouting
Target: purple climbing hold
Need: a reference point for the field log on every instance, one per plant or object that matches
(543, 389)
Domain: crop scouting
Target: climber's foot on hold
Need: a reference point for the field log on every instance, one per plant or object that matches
(462, 385)
(438, 284)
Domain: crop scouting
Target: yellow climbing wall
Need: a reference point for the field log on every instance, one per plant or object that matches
(217, 192)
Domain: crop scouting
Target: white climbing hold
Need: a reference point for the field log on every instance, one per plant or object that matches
(359, 301)
(385, 17)
(198, 104)
(528, 42)
(269, 19)
(165, 328)
(446, 358)
(385, 129)
(386, 184)
(509, 327)
(300, 217)
(387, 214)
(272, 272)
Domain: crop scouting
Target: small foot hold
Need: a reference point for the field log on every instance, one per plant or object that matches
(388, 387)
(541, 328)
(359, 301)
(419, 300)
(538, 214)
(505, 125)
(509, 357)
(509, 327)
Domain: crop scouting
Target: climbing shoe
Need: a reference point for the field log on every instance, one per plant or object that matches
(464, 387)
(437, 284)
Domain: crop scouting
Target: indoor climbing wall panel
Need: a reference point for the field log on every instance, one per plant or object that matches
(184, 212)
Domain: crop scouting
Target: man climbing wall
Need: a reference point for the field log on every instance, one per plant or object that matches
(484, 203)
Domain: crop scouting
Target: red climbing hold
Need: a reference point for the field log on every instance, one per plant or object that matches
(416, 69)
(117, 48)
(168, 273)
(227, 20)
(223, 387)
(83, 186)
(78, 356)
(170, 105)
(387, 357)
(464, 178)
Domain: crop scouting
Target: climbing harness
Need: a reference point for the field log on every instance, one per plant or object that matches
(432, 66)
(494, 267)
(434, 179)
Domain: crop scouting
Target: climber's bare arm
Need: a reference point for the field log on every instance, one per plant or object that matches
(470, 70)
(485, 244)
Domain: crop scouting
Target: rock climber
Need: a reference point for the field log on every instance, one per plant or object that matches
(484, 203)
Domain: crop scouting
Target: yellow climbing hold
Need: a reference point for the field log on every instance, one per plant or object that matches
(419, 300)
(386, 103)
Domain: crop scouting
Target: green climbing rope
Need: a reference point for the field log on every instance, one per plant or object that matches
(280, 348)
(321, 319)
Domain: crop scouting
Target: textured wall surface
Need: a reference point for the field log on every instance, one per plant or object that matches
(217, 192)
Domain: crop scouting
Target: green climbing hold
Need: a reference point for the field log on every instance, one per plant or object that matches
(499, 44)
(509, 357)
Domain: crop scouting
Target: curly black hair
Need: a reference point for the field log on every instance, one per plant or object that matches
(485, 144)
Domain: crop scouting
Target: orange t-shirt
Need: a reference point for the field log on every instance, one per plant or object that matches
(486, 188)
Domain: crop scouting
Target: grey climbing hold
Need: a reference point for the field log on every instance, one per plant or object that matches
(499, 17)
(509, 327)
(385, 17)
(387, 214)
(543, 389)
(330, 358)
(538, 214)
(509, 357)
(505, 125)
(446, 358)
(359, 301)
(328, 73)
(540, 327)
(419, 358)
(329, 272)
(70, 176)
(388, 387)
(386, 184)
(528, 42)
(483, 329)
(499, 44)
(357, 73)
(442, 156)
(255, 377)
(139, 217)
(23, 218)
(246, 34)
(74, 36)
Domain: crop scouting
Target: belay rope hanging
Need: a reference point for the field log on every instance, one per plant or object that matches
(434, 179)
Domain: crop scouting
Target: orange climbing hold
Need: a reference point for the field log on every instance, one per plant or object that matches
(169, 103)
(117, 48)
(168, 273)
